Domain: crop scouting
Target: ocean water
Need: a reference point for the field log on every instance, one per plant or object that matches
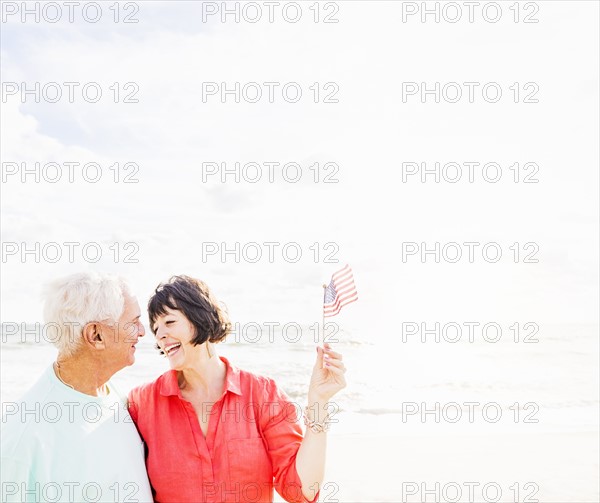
(551, 385)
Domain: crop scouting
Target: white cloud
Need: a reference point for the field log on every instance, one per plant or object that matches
(171, 132)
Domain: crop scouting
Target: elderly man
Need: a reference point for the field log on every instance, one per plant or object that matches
(71, 438)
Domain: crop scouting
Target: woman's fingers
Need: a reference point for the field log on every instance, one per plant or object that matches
(337, 364)
(329, 351)
(333, 353)
(338, 372)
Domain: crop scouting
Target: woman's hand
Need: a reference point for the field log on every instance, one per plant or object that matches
(328, 379)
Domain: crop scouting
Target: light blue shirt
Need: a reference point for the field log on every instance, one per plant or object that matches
(59, 445)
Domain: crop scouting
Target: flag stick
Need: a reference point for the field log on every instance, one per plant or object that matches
(322, 331)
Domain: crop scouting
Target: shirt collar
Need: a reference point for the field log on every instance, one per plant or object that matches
(169, 385)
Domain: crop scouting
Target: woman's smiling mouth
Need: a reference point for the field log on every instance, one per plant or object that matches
(171, 349)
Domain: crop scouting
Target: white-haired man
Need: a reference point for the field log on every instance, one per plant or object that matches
(70, 437)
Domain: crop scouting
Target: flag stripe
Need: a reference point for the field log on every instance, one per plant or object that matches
(340, 291)
(333, 313)
(340, 304)
(348, 285)
(342, 275)
(344, 279)
(340, 298)
(341, 295)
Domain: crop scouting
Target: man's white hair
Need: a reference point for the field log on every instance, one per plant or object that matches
(73, 301)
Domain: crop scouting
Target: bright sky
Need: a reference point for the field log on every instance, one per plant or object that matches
(178, 212)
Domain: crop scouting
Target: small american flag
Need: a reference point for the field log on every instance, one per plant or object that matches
(340, 291)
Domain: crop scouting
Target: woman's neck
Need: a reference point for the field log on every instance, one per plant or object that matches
(206, 376)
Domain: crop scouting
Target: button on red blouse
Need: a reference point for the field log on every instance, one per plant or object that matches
(250, 448)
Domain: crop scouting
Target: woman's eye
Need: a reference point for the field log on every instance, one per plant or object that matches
(170, 321)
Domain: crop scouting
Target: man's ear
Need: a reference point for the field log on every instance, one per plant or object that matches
(92, 335)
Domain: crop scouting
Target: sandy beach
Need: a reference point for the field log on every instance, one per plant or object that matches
(372, 452)
(548, 468)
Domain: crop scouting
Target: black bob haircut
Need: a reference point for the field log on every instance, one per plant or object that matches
(194, 299)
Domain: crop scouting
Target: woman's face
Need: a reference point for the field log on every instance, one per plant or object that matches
(174, 333)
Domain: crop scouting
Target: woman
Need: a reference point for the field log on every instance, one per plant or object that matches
(214, 432)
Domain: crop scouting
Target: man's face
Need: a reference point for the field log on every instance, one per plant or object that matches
(121, 337)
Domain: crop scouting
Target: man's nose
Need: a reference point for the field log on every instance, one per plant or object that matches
(141, 330)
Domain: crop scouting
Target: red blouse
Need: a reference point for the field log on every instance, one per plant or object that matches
(250, 448)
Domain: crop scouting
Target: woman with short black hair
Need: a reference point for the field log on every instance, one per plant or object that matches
(218, 433)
